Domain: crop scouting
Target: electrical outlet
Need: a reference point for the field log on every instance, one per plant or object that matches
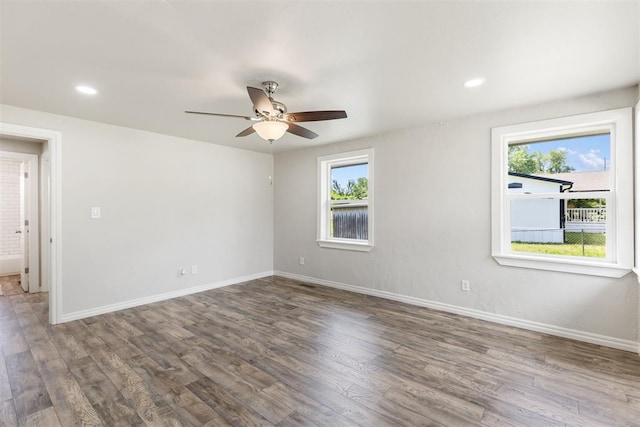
(465, 286)
(194, 269)
(301, 261)
(182, 271)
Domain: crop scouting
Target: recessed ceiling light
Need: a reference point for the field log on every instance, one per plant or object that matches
(87, 90)
(474, 82)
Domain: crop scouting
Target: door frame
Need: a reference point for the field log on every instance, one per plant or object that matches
(52, 226)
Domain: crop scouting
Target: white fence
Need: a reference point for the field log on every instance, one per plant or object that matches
(589, 220)
(586, 215)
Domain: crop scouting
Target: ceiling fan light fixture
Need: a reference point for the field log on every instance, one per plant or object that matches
(270, 130)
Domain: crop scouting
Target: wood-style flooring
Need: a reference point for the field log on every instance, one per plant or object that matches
(10, 285)
(279, 352)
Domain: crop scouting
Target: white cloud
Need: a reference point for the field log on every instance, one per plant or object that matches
(567, 150)
(591, 160)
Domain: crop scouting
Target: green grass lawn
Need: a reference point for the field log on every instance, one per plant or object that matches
(594, 246)
(599, 239)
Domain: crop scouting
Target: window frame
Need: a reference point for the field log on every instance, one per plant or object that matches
(619, 260)
(325, 164)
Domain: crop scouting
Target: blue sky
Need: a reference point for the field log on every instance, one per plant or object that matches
(345, 173)
(585, 153)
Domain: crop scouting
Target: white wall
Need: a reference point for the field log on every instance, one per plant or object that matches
(444, 170)
(9, 216)
(9, 207)
(535, 220)
(19, 146)
(166, 203)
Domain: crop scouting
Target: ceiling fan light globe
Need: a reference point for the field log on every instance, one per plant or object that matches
(270, 130)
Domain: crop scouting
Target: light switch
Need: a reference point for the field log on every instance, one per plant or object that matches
(95, 212)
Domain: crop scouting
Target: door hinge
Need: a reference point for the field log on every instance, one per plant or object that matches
(26, 270)
(26, 175)
(26, 222)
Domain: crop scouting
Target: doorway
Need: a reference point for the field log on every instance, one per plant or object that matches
(20, 192)
(41, 226)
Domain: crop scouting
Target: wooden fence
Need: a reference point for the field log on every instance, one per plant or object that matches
(350, 222)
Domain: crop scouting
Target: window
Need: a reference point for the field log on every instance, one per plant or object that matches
(562, 196)
(345, 203)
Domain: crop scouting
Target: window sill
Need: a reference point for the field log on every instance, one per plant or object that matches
(567, 266)
(345, 245)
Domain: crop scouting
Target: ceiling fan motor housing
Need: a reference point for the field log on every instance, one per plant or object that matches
(279, 108)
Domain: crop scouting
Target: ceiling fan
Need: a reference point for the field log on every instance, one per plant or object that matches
(272, 119)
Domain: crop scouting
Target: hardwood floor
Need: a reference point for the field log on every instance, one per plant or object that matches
(278, 352)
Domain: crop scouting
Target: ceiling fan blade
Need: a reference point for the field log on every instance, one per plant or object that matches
(315, 116)
(221, 115)
(300, 131)
(260, 100)
(247, 131)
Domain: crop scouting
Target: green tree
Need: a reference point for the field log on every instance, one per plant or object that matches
(557, 162)
(522, 161)
(540, 161)
(355, 190)
(361, 189)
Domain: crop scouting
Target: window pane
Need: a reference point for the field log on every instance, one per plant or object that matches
(573, 227)
(350, 222)
(575, 164)
(349, 207)
(349, 182)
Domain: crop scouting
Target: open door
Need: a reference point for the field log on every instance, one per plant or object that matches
(24, 226)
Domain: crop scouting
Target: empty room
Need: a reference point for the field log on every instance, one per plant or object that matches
(319, 213)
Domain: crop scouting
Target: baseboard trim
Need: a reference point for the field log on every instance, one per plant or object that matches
(558, 331)
(77, 315)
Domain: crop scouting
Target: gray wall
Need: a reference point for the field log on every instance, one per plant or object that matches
(443, 171)
(166, 203)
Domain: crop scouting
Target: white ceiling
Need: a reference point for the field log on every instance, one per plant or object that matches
(390, 65)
